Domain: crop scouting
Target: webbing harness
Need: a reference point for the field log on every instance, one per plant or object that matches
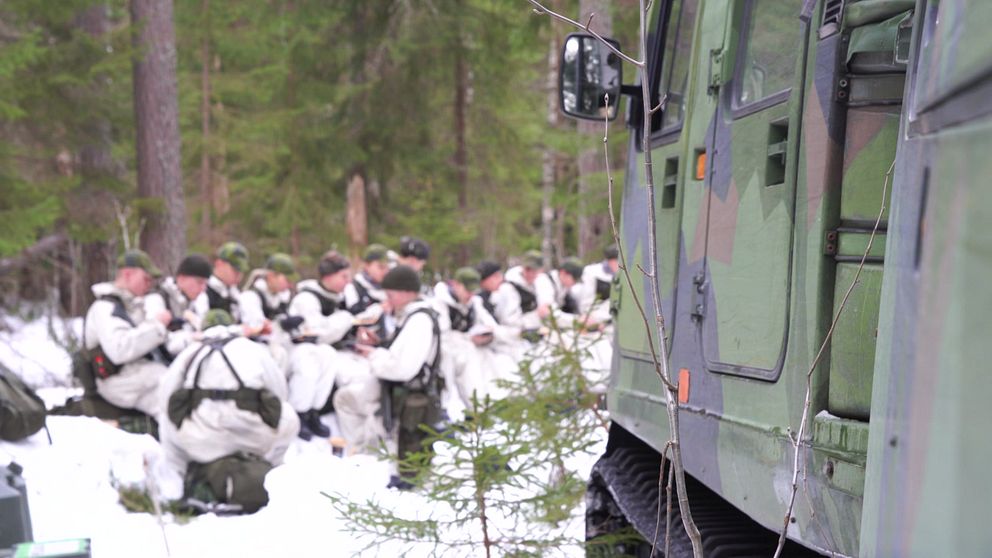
(184, 401)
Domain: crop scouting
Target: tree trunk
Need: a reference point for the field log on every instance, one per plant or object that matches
(356, 219)
(592, 220)
(156, 108)
(92, 262)
(460, 159)
(549, 166)
(206, 180)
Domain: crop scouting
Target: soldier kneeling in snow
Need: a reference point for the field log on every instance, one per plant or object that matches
(226, 413)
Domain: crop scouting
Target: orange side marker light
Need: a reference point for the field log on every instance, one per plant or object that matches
(700, 165)
(683, 385)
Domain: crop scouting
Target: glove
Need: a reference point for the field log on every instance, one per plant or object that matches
(289, 323)
(175, 324)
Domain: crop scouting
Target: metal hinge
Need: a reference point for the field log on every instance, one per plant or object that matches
(699, 296)
(830, 243)
(716, 70)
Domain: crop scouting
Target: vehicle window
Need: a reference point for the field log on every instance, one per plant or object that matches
(771, 45)
(681, 19)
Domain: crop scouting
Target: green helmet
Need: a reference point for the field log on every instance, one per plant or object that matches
(468, 277)
(533, 259)
(573, 266)
(217, 317)
(235, 254)
(281, 263)
(138, 259)
(375, 253)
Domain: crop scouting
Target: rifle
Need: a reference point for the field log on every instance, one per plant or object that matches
(386, 404)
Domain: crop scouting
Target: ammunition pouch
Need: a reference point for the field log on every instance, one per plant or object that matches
(103, 367)
(415, 408)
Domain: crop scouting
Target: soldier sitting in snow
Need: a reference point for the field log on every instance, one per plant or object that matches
(176, 294)
(122, 343)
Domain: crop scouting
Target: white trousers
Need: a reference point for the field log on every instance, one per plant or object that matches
(312, 373)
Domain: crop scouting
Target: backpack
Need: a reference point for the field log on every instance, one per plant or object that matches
(22, 412)
(237, 480)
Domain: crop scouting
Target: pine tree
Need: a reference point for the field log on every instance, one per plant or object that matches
(500, 484)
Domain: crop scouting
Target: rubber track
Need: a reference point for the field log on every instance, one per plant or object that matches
(631, 475)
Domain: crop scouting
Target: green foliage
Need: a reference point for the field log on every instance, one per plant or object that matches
(57, 98)
(302, 96)
(501, 480)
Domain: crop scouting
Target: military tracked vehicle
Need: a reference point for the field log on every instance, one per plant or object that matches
(783, 118)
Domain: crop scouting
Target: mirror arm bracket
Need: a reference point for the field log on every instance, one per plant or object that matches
(632, 90)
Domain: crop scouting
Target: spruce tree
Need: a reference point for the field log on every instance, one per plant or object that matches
(502, 483)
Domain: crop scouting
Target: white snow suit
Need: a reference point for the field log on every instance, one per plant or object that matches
(217, 428)
(128, 339)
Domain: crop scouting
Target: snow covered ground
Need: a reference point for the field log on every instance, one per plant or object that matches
(72, 493)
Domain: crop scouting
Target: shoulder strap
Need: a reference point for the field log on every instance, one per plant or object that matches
(219, 301)
(528, 300)
(364, 298)
(269, 312)
(433, 368)
(487, 303)
(120, 311)
(327, 306)
(214, 345)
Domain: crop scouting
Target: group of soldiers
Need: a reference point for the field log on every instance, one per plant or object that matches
(232, 360)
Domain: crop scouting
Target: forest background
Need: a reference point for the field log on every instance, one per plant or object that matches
(290, 125)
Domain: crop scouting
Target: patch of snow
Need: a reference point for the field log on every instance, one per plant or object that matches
(28, 349)
(72, 494)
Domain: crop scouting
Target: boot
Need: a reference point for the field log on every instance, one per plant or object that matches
(395, 481)
(305, 432)
(316, 427)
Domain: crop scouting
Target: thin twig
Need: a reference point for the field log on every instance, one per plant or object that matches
(672, 404)
(661, 105)
(816, 361)
(156, 506)
(623, 258)
(657, 523)
(659, 351)
(542, 10)
(668, 513)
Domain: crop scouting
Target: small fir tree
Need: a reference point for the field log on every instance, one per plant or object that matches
(500, 484)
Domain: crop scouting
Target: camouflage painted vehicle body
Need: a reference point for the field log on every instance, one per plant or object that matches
(769, 166)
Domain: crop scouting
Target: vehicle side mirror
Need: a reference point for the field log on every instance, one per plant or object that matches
(589, 72)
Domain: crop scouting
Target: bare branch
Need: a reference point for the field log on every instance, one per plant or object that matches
(816, 361)
(540, 9)
(623, 257)
(657, 524)
(589, 22)
(43, 246)
(659, 346)
(661, 105)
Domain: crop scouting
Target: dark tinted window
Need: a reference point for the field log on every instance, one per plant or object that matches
(767, 62)
(674, 75)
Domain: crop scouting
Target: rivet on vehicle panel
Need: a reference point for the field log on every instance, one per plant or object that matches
(892, 441)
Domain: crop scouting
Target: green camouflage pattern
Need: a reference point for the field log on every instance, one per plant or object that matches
(235, 254)
(281, 263)
(138, 259)
(755, 258)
